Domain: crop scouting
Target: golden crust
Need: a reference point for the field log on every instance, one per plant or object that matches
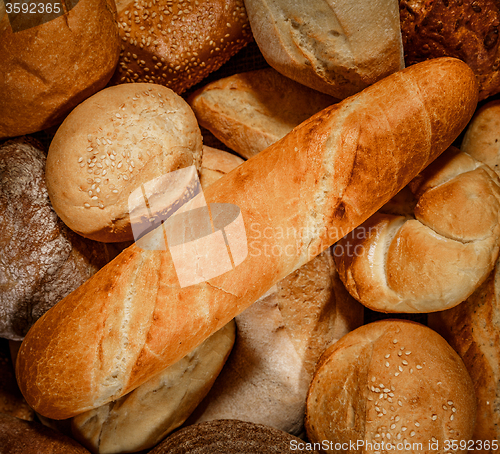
(40, 84)
(312, 182)
(435, 259)
(391, 381)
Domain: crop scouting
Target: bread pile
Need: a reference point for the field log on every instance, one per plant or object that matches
(374, 200)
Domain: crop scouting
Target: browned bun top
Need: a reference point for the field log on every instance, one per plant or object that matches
(118, 139)
(394, 382)
(177, 44)
(229, 436)
(28, 437)
(467, 30)
(46, 70)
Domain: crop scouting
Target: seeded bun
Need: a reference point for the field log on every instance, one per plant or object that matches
(48, 69)
(108, 146)
(177, 44)
(391, 381)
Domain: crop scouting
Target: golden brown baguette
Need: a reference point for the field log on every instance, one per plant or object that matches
(297, 197)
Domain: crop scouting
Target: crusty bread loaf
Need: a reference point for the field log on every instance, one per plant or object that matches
(436, 258)
(392, 382)
(250, 111)
(232, 437)
(473, 330)
(177, 44)
(337, 47)
(48, 69)
(28, 437)
(482, 136)
(142, 418)
(466, 30)
(279, 340)
(42, 260)
(298, 197)
(110, 145)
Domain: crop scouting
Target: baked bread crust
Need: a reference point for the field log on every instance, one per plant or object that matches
(42, 260)
(113, 142)
(437, 258)
(133, 315)
(155, 44)
(248, 112)
(336, 47)
(46, 71)
(393, 382)
(467, 30)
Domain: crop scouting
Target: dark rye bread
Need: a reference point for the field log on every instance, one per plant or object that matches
(28, 437)
(42, 260)
(467, 30)
(229, 436)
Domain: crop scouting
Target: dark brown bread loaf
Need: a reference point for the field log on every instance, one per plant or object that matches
(229, 436)
(42, 260)
(455, 28)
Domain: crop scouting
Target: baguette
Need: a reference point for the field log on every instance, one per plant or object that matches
(297, 197)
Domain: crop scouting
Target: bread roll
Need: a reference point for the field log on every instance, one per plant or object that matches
(296, 198)
(482, 135)
(231, 437)
(337, 47)
(252, 110)
(142, 418)
(473, 330)
(392, 382)
(466, 30)
(48, 69)
(28, 437)
(280, 338)
(110, 145)
(435, 259)
(42, 260)
(177, 44)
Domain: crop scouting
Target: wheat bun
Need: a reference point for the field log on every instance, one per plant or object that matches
(48, 69)
(392, 381)
(108, 146)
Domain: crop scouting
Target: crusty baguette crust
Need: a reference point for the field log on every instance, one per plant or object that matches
(297, 197)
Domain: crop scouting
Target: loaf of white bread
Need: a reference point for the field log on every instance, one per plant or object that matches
(132, 319)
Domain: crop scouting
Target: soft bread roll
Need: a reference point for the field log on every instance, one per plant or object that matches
(109, 146)
(481, 139)
(28, 437)
(465, 30)
(336, 47)
(279, 340)
(473, 330)
(177, 44)
(142, 418)
(48, 69)
(132, 319)
(42, 261)
(435, 259)
(250, 111)
(231, 437)
(392, 382)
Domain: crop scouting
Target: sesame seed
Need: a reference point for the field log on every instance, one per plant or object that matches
(104, 172)
(434, 417)
(450, 402)
(86, 205)
(95, 197)
(405, 363)
(407, 353)
(419, 366)
(386, 364)
(445, 407)
(387, 356)
(417, 424)
(453, 409)
(115, 191)
(400, 369)
(396, 374)
(397, 418)
(403, 429)
(393, 426)
(452, 417)
(400, 403)
(412, 433)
